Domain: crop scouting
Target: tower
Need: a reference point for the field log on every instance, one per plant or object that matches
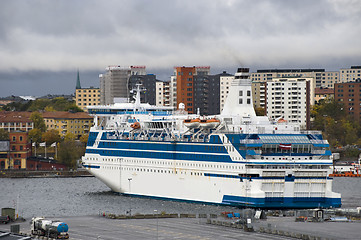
(78, 81)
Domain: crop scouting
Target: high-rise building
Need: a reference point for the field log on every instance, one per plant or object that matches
(184, 77)
(289, 99)
(225, 84)
(114, 83)
(349, 95)
(162, 90)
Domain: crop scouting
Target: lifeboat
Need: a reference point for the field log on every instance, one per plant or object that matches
(191, 123)
(209, 123)
(135, 125)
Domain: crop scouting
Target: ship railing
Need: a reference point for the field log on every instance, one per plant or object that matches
(250, 141)
(314, 141)
(310, 132)
(318, 152)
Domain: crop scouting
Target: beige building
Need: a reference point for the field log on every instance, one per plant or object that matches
(162, 92)
(224, 86)
(323, 93)
(259, 94)
(350, 74)
(87, 97)
(66, 122)
(321, 78)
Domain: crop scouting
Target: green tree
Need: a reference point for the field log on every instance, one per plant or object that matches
(35, 135)
(38, 121)
(69, 152)
(51, 136)
(4, 135)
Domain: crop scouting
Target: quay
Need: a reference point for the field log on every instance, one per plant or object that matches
(194, 226)
(46, 174)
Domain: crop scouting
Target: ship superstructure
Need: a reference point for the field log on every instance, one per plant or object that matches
(235, 158)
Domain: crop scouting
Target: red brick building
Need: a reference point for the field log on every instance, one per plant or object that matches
(349, 94)
(14, 154)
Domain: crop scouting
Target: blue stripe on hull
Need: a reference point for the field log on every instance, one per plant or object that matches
(263, 203)
(278, 203)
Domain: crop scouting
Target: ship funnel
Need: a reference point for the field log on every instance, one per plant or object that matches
(239, 100)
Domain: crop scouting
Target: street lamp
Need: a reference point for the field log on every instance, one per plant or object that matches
(156, 212)
(130, 202)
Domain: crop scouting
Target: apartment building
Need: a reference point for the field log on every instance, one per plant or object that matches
(259, 92)
(162, 92)
(66, 122)
(349, 94)
(225, 84)
(321, 78)
(16, 121)
(350, 74)
(87, 97)
(289, 99)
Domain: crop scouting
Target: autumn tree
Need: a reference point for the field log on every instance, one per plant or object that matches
(51, 136)
(35, 135)
(38, 121)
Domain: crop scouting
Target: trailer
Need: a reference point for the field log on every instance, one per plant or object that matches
(50, 228)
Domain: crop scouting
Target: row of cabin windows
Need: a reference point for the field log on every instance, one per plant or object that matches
(152, 170)
(165, 163)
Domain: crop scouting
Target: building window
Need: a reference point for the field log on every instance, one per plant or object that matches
(240, 101)
(14, 138)
(248, 93)
(240, 93)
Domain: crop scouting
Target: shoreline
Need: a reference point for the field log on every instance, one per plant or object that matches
(43, 174)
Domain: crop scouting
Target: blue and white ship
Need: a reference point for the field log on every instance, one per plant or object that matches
(235, 158)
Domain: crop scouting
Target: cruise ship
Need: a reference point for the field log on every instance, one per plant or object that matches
(235, 158)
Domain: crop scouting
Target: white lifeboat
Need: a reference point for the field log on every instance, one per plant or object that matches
(209, 123)
(191, 123)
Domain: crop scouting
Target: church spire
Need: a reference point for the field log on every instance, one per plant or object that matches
(78, 81)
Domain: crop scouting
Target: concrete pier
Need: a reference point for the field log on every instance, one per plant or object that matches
(99, 227)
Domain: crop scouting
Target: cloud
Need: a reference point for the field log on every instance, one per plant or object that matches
(52, 35)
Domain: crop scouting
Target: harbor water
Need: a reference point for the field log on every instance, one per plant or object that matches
(88, 196)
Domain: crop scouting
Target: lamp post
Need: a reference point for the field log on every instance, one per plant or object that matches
(130, 202)
(156, 212)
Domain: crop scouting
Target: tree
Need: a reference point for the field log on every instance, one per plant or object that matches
(38, 121)
(4, 135)
(35, 135)
(84, 139)
(51, 136)
(70, 151)
(69, 136)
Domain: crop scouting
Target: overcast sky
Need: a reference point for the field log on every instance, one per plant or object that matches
(43, 43)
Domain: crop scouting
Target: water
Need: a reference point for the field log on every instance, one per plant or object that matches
(88, 196)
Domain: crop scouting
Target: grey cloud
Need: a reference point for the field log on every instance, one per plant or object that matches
(91, 34)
